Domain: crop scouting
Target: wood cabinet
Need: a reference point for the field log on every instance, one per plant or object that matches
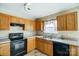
(5, 49)
(32, 25)
(39, 44)
(4, 22)
(67, 22)
(39, 24)
(48, 47)
(30, 44)
(61, 23)
(44, 46)
(72, 21)
(29, 25)
(14, 19)
(17, 20)
(73, 50)
(21, 20)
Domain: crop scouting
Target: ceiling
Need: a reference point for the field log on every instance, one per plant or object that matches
(37, 9)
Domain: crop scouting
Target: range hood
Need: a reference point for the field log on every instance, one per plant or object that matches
(16, 27)
(16, 24)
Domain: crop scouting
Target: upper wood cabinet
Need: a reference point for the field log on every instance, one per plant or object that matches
(39, 24)
(14, 19)
(32, 25)
(17, 20)
(4, 22)
(61, 23)
(67, 22)
(29, 25)
(5, 49)
(72, 21)
(40, 44)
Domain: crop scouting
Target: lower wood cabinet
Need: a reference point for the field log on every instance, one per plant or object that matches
(39, 44)
(5, 49)
(44, 46)
(73, 50)
(30, 44)
(48, 49)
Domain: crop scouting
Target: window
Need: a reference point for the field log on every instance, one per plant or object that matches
(50, 26)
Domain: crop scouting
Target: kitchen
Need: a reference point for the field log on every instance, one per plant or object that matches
(35, 31)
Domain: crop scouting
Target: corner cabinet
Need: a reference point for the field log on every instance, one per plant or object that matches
(5, 49)
(39, 24)
(4, 22)
(67, 22)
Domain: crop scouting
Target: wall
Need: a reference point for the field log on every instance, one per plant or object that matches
(16, 29)
(74, 34)
(5, 33)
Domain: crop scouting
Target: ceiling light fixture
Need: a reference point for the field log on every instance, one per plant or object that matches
(27, 6)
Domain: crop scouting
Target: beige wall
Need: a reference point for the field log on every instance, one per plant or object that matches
(74, 34)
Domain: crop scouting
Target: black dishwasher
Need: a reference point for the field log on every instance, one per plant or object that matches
(60, 49)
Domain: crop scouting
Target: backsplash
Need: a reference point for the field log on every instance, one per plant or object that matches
(4, 33)
(71, 34)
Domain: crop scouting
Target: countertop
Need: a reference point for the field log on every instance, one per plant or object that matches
(4, 40)
(72, 42)
(66, 41)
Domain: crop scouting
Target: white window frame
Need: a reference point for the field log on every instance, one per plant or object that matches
(50, 26)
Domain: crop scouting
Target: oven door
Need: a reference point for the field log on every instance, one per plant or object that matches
(18, 47)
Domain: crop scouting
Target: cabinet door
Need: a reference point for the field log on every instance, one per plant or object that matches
(17, 20)
(73, 50)
(61, 23)
(37, 43)
(72, 21)
(21, 21)
(29, 25)
(41, 45)
(30, 44)
(33, 25)
(14, 19)
(48, 49)
(4, 22)
(5, 49)
(39, 24)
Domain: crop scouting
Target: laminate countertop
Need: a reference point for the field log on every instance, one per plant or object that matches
(66, 41)
(4, 40)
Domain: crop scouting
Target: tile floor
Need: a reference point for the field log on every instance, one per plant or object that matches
(35, 53)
